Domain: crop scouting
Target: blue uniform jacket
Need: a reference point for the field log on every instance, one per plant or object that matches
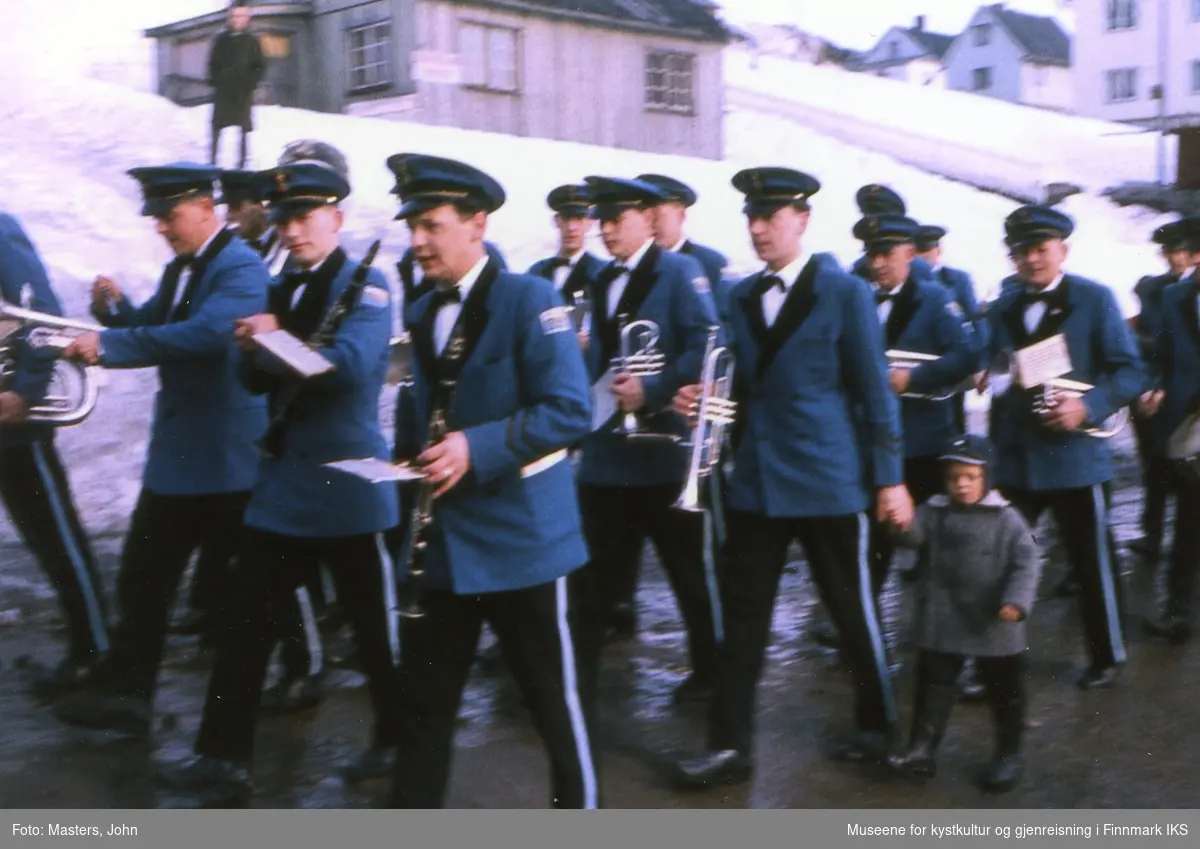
(413, 291)
(925, 319)
(521, 400)
(1103, 353)
(20, 266)
(580, 278)
(713, 262)
(962, 291)
(205, 422)
(1150, 291)
(1177, 353)
(671, 290)
(807, 389)
(335, 417)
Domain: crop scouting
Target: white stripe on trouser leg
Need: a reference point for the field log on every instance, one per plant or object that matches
(867, 600)
(390, 605)
(1107, 575)
(713, 533)
(91, 600)
(312, 637)
(583, 746)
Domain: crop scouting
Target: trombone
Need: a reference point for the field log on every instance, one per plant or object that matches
(715, 411)
(645, 361)
(74, 388)
(1060, 387)
(909, 360)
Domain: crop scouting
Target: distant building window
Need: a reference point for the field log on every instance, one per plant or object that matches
(1196, 76)
(981, 79)
(893, 50)
(1122, 84)
(981, 35)
(1122, 14)
(669, 81)
(370, 56)
(490, 54)
(1196, 10)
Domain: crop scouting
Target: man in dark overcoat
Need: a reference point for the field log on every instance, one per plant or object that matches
(235, 68)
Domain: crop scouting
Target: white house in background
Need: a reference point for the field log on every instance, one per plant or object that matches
(1013, 56)
(912, 54)
(1122, 49)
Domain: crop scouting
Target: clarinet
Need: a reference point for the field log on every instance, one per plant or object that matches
(421, 517)
(270, 444)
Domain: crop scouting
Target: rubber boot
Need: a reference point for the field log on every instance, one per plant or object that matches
(1004, 772)
(934, 704)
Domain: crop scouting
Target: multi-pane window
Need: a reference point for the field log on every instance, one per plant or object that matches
(370, 56)
(490, 56)
(669, 79)
(1122, 84)
(1122, 14)
(981, 79)
(1196, 76)
(981, 35)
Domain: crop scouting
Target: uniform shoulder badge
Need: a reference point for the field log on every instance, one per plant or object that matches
(701, 285)
(556, 320)
(374, 296)
(954, 309)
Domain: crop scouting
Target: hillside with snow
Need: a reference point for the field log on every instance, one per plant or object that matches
(66, 141)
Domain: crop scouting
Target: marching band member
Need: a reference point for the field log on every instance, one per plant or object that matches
(495, 361)
(573, 268)
(34, 484)
(1048, 462)
(1156, 474)
(809, 363)
(300, 512)
(201, 461)
(916, 315)
(1173, 406)
(627, 486)
(876, 199)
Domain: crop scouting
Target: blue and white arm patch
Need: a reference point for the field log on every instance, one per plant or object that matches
(701, 285)
(374, 296)
(556, 320)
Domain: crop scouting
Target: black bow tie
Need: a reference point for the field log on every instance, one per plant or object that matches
(611, 272)
(1029, 297)
(441, 297)
(183, 261)
(559, 262)
(770, 281)
(884, 297)
(295, 279)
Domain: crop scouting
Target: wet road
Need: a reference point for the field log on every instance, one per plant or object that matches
(1129, 747)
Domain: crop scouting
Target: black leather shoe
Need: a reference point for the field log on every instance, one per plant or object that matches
(294, 695)
(970, 688)
(125, 714)
(1174, 629)
(1095, 678)
(726, 766)
(695, 688)
(864, 747)
(1002, 774)
(208, 782)
(376, 762)
(70, 676)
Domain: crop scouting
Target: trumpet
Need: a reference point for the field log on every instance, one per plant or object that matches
(646, 361)
(908, 360)
(74, 388)
(715, 411)
(1061, 387)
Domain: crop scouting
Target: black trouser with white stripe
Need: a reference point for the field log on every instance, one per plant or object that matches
(536, 630)
(303, 650)
(756, 552)
(269, 568)
(1082, 519)
(163, 534)
(1185, 552)
(35, 490)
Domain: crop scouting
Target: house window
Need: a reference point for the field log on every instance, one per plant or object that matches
(981, 79)
(370, 56)
(1122, 84)
(1196, 76)
(893, 50)
(1196, 10)
(669, 81)
(981, 35)
(1122, 14)
(490, 53)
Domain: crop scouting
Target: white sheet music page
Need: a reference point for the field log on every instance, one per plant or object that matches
(604, 403)
(1043, 361)
(375, 470)
(293, 353)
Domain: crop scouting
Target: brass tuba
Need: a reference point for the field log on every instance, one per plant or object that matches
(715, 411)
(74, 388)
(1061, 387)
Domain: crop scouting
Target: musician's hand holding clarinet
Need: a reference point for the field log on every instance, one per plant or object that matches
(447, 462)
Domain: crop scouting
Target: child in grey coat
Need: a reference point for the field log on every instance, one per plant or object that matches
(977, 571)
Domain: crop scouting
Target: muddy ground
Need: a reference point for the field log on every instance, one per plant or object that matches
(1131, 747)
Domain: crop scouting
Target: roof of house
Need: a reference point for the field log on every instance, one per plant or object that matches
(1042, 39)
(934, 43)
(695, 19)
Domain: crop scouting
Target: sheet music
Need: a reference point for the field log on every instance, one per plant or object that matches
(375, 470)
(1043, 361)
(604, 403)
(293, 353)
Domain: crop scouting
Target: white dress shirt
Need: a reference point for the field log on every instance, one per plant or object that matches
(563, 272)
(1035, 311)
(617, 288)
(678, 245)
(448, 315)
(884, 309)
(186, 275)
(772, 299)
